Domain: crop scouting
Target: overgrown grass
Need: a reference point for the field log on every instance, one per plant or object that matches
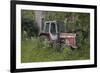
(33, 51)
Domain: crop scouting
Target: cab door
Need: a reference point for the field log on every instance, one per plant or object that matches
(53, 31)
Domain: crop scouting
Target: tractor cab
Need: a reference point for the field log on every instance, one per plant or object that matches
(53, 28)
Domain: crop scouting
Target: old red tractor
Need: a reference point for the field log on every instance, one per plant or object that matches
(55, 32)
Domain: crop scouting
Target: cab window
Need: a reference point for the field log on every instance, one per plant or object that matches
(53, 28)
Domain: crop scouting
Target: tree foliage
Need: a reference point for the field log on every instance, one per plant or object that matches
(28, 25)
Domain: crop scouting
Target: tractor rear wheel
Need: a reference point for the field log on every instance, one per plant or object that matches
(45, 41)
(44, 38)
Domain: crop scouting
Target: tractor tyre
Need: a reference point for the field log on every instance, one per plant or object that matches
(44, 38)
(45, 41)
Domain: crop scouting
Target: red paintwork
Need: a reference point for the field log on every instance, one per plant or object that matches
(70, 38)
(71, 41)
